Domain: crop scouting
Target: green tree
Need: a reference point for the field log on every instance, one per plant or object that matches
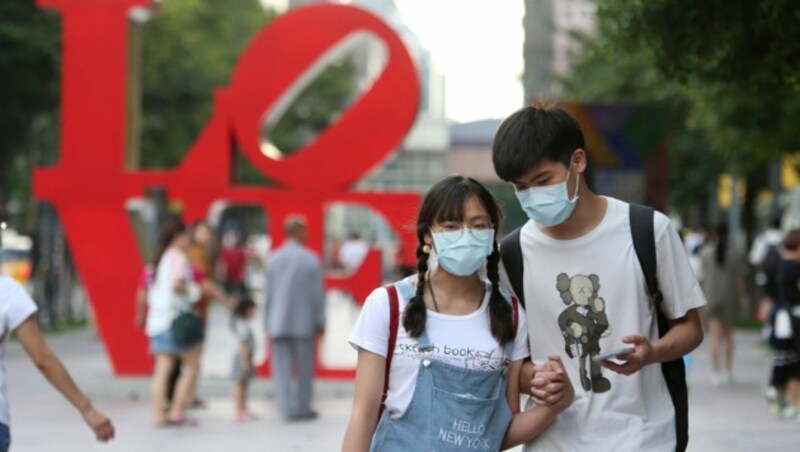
(29, 56)
(602, 74)
(189, 48)
(728, 67)
(751, 45)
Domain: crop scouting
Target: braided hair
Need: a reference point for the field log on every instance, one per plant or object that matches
(446, 201)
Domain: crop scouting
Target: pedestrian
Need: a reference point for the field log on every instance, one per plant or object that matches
(766, 255)
(243, 366)
(294, 316)
(786, 341)
(171, 294)
(446, 364)
(199, 254)
(587, 294)
(233, 259)
(723, 284)
(18, 316)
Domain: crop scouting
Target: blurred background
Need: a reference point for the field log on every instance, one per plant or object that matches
(687, 106)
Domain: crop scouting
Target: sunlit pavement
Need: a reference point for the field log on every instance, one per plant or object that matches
(723, 418)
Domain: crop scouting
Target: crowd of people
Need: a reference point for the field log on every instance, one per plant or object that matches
(721, 266)
(173, 301)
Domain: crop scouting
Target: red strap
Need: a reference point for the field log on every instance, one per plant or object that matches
(394, 317)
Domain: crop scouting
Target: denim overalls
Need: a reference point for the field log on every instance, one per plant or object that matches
(452, 409)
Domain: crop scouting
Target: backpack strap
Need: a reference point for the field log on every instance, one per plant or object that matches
(394, 320)
(644, 243)
(511, 254)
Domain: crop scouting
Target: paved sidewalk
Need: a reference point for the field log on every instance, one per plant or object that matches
(730, 418)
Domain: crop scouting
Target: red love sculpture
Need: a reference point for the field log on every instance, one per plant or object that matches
(89, 185)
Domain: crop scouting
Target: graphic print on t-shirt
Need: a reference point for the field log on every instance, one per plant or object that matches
(582, 324)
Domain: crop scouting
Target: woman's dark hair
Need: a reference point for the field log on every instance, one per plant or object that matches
(721, 232)
(446, 201)
(531, 135)
(171, 229)
(244, 305)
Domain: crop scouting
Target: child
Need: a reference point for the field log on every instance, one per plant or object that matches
(453, 372)
(243, 369)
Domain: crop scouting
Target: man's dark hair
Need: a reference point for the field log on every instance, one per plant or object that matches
(532, 134)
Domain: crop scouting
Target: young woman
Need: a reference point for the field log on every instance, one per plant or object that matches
(453, 381)
(724, 288)
(173, 290)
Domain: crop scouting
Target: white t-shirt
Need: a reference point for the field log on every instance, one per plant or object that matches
(577, 281)
(163, 303)
(464, 341)
(15, 307)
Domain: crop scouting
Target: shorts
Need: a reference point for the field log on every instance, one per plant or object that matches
(163, 343)
(237, 374)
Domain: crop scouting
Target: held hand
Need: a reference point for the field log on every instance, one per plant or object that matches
(99, 423)
(640, 357)
(567, 393)
(549, 381)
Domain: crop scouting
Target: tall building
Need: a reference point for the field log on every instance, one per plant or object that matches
(549, 43)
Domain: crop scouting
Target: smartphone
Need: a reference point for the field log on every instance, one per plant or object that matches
(613, 353)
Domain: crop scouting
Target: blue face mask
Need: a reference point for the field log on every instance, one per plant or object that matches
(462, 252)
(549, 205)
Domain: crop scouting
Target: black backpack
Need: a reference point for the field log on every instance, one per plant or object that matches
(644, 243)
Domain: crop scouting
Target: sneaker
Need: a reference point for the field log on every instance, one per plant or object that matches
(789, 413)
(727, 378)
(771, 394)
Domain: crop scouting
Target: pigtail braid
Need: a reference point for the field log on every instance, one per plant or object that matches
(500, 313)
(416, 313)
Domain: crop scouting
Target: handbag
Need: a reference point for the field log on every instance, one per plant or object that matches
(187, 329)
(783, 324)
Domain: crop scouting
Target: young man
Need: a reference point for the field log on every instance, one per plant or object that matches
(585, 292)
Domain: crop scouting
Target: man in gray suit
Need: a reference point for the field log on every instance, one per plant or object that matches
(294, 316)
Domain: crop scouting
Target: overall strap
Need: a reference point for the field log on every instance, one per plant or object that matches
(394, 320)
(511, 255)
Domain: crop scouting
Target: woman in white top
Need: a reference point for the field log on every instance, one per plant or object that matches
(452, 344)
(172, 292)
(18, 315)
